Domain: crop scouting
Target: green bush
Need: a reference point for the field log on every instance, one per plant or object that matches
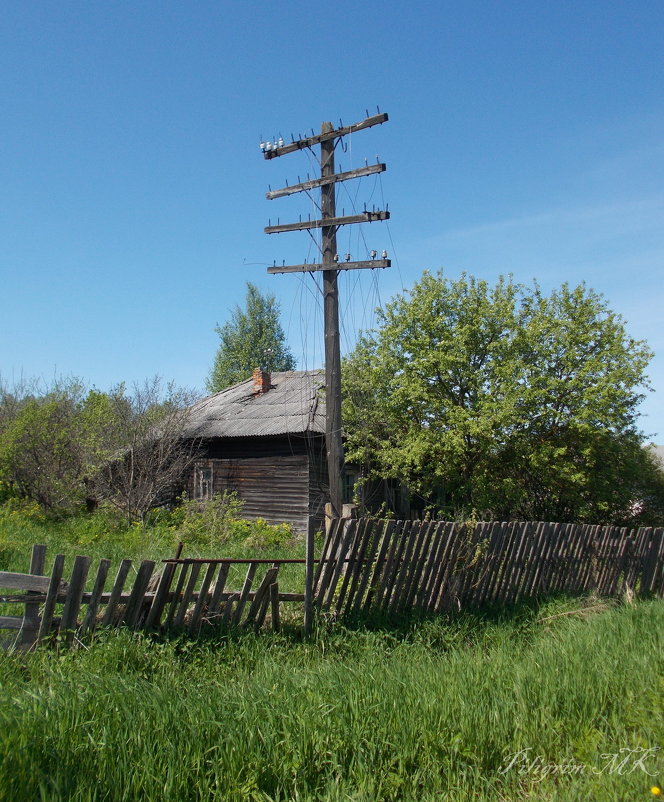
(260, 534)
(18, 508)
(216, 522)
(207, 522)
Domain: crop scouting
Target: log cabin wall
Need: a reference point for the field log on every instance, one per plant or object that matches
(278, 478)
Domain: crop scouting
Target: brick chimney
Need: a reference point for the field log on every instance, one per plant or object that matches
(261, 380)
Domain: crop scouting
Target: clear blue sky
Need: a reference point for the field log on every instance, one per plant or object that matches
(524, 137)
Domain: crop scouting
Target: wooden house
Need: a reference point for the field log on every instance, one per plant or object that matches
(264, 438)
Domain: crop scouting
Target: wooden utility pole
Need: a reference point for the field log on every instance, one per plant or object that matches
(333, 444)
(329, 265)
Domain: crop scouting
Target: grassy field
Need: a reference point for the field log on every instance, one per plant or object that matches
(527, 703)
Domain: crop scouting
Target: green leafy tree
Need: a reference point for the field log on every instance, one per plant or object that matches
(253, 337)
(61, 446)
(504, 401)
(42, 449)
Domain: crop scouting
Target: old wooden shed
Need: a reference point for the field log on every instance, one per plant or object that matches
(264, 438)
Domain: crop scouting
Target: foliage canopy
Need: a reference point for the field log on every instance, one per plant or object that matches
(62, 445)
(252, 338)
(504, 401)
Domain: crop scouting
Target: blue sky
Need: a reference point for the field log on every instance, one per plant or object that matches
(524, 137)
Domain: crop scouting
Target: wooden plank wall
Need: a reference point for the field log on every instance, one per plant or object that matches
(438, 566)
(273, 488)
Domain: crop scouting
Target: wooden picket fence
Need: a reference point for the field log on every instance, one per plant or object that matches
(435, 566)
(366, 565)
(187, 594)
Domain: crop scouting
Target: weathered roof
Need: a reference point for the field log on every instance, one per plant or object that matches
(294, 404)
(658, 453)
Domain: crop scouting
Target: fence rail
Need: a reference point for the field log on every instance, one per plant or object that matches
(435, 566)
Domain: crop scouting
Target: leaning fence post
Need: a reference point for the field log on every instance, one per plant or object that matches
(51, 597)
(74, 596)
(31, 615)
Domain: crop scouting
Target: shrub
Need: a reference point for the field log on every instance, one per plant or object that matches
(260, 534)
(208, 522)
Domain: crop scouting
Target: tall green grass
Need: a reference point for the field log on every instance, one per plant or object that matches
(428, 711)
(104, 535)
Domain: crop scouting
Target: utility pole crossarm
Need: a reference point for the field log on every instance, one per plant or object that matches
(316, 139)
(328, 222)
(316, 267)
(319, 182)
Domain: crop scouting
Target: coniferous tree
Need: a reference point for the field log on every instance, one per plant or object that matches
(253, 337)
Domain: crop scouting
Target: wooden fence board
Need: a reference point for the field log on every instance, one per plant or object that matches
(262, 611)
(228, 608)
(652, 560)
(547, 559)
(613, 586)
(376, 539)
(608, 562)
(432, 547)
(497, 545)
(160, 599)
(414, 576)
(202, 597)
(261, 591)
(437, 564)
(330, 547)
(575, 558)
(448, 542)
(359, 529)
(213, 608)
(274, 605)
(187, 596)
(473, 563)
(602, 551)
(634, 565)
(55, 584)
(90, 620)
(353, 565)
(588, 571)
(392, 577)
(409, 534)
(37, 563)
(74, 595)
(237, 613)
(110, 614)
(451, 577)
(36, 584)
(524, 575)
(385, 580)
(329, 560)
(364, 564)
(134, 610)
(387, 539)
(524, 537)
(346, 542)
(177, 595)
